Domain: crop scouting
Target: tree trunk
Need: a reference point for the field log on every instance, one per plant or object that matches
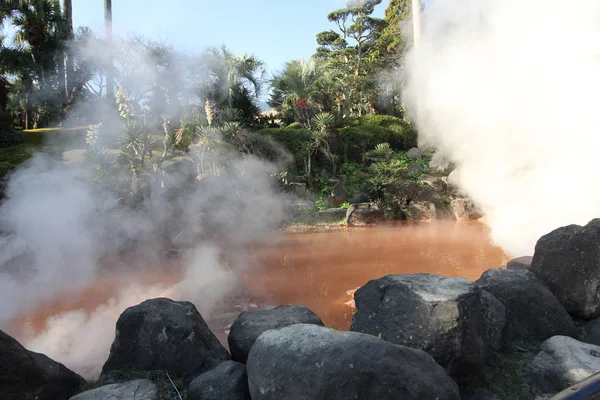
(68, 12)
(110, 89)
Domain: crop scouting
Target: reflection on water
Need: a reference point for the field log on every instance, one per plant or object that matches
(318, 269)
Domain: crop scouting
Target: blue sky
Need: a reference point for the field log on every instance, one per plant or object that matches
(276, 31)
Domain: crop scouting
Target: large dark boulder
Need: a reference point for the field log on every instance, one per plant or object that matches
(561, 362)
(140, 389)
(567, 260)
(363, 214)
(251, 324)
(228, 381)
(167, 335)
(310, 362)
(591, 332)
(25, 375)
(452, 319)
(519, 263)
(532, 311)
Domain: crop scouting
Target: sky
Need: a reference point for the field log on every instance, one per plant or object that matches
(276, 31)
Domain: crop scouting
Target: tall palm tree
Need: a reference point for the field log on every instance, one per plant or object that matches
(68, 16)
(231, 82)
(110, 89)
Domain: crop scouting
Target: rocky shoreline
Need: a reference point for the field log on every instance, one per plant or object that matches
(417, 336)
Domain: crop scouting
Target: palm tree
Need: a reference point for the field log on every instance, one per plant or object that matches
(110, 89)
(231, 82)
(295, 89)
(68, 16)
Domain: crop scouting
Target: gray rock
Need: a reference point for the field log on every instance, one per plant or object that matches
(309, 362)
(333, 213)
(532, 311)
(358, 198)
(519, 263)
(414, 168)
(440, 165)
(298, 188)
(162, 334)
(251, 324)
(561, 362)
(465, 210)
(452, 319)
(228, 381)
(363, 214)
(592, 332)
(567, 260)
(140, 389)
(414, 154)
(25, 375)
(428, 204)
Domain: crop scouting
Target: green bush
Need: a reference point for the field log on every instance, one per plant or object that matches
(6, 121)
(355, 141)
(294, 125)
(406, 135)
(10, 138)
(5, 168)
(381, 182)
(293, 140)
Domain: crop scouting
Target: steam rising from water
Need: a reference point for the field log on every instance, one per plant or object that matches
(57, 226)
(507, 89)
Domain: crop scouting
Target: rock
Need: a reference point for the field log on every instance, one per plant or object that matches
(428, 204)
(519, 263)
(333, 213)
(465, 210)
(298, 188)
(567, 260)
(438, 184)
(358, 198)
(140, 389)
(414, 154)
(414, 169)
(363, 214)
(453, 182)
(228, 381)
(25, 375)
(339, 192)
(440, 165)
(162, 334)
(592, 332)
(452, 319)
(561, 362)
(313, 362)
(532, 311)
(251, 324)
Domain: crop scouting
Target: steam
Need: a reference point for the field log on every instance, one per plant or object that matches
(507, 90)
(59, 230)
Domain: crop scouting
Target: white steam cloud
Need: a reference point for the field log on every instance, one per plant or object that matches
(507, 89)
(60, 232)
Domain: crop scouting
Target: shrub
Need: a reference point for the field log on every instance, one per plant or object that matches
(293, 140)
(406, 135)
(355, 141)
(10, 138)
(294, 125)
(6, 121)
(382, 179)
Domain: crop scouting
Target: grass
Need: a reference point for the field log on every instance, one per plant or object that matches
(50, 140)
(502, 378)
(169, 388)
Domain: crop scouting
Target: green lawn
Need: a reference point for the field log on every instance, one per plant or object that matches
(50, 140)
